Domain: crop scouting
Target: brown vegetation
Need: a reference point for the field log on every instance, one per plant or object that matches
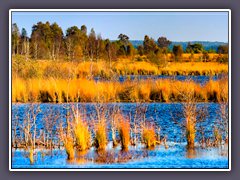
(124, 66)
(124, 133)
(69, 147)
(149, 136)
(100, 135)
(83, 90)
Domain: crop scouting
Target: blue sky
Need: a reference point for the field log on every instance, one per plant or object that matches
(176, 26)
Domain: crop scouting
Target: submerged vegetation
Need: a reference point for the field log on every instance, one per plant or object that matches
(93, 131)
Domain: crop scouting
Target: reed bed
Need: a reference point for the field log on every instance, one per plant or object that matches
(83, 90)
(194, 68)
(64, 70)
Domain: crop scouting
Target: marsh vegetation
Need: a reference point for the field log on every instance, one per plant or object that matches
(83, 101)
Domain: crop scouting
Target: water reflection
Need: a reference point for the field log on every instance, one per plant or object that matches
(212, 152)
(177, 155)
(191, 153)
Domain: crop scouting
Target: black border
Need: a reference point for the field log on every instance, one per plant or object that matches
(122, 169)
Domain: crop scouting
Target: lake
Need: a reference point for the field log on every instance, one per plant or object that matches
(198, 79)
(168, 119)
(176, 156)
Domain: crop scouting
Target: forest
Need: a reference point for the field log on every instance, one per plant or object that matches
(48, 41)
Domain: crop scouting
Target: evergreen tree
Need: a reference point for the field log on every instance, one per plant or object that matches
(15, 39)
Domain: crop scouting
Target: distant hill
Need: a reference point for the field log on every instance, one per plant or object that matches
(206, 44)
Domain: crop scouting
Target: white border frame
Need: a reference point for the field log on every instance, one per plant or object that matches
(119, 10)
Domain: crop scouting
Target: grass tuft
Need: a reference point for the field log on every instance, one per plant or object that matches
(149, 137)
(83, 136)
(69, 147)
(124, 133)
(101, 136)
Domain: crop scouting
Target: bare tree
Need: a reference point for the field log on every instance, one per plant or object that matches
(50, 121)
(30, 126)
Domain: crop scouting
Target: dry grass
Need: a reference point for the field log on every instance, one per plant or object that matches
(126, 67)
(217, 137)
(31, 156)
(217, 90)
(82, 90)
(100, 135)
(69, 147)
(196, 57)
(149, 136)
(63, 70)
(194, 68)
(82, 135)
(124, 133)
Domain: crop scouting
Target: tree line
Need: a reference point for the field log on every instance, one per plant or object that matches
(47, 41)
